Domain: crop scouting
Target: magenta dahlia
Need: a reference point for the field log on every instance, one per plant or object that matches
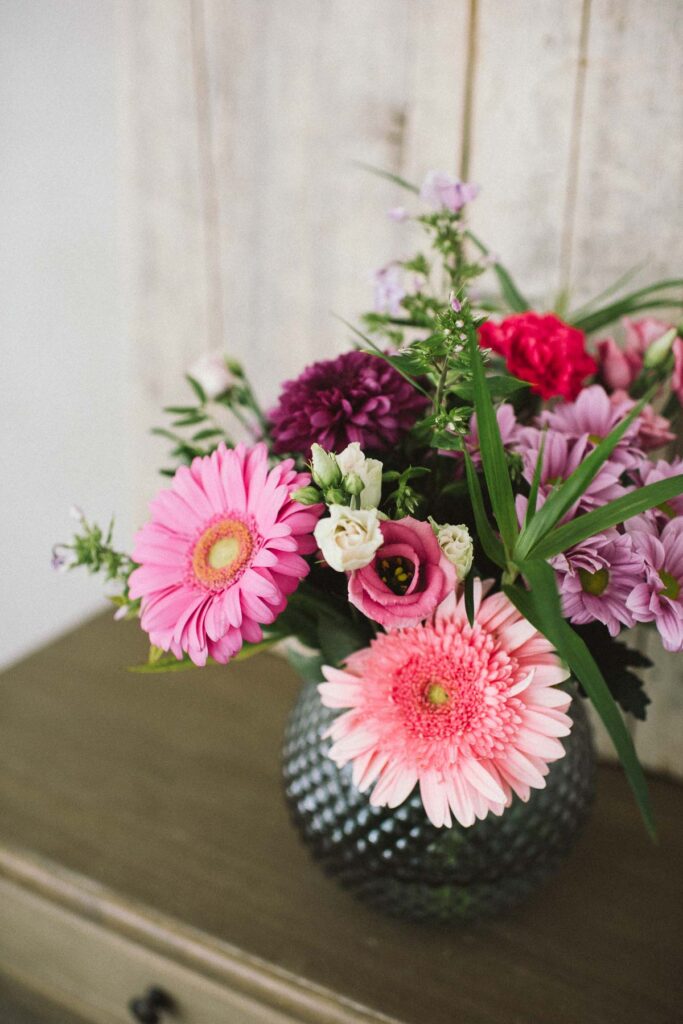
(471, 714)
(222, 552)
(355, 397)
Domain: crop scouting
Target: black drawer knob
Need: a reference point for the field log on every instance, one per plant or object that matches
(149, 1008)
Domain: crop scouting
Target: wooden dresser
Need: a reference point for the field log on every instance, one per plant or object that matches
(144, 841)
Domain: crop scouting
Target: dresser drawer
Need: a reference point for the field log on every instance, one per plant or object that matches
(93, 972)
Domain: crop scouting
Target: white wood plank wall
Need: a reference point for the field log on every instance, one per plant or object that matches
(247, 222)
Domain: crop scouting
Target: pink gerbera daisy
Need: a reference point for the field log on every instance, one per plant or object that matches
(221, 553)
(472, 714)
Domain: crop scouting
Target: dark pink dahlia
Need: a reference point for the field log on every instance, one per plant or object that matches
(356, 397)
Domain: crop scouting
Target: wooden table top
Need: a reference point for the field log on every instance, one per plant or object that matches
(166, 789)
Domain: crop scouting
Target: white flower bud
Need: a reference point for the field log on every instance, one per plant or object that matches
(353, 461)
(324, 468)
(349, 538)
(656, 353)
(456, 544)
(211, 373)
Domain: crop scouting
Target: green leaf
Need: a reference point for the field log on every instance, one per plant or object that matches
(535, 484)
(197, 388)
(493, 458)
(490, 543)
(612, 289)
(509, 289)
(395, 362)
(308, 666)
(541, 606)
(499, 387)
(612, 514)
(338, 636)
(469, 598)
(569, 492)
(631, 303)
(616, 661)
(161, 661)
(388, 176)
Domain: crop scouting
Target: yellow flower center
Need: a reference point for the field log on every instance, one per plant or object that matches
(221, 552)
(672, 587)
(594, 582)
(437, 694)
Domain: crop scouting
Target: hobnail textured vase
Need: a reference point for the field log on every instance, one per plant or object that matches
(398, 862)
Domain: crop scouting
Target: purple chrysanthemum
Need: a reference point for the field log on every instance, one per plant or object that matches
(660, 598)
(654, 472)
(593, 416)
(561, 456)
(596, 578)
(510, 431)
(356, 397)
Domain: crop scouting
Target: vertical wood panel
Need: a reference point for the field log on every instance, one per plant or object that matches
(630, 200)
(522, 126)
(166, 273)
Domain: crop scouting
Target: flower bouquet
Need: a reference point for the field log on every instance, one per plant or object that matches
(450, 525)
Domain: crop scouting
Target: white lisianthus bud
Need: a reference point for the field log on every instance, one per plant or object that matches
(353, 461)
(456, 544)
(324, 468)
(349, 538)
(211, 373)
(353, 484)
(656, 353)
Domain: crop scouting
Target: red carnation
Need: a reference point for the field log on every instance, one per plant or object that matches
(542, 350)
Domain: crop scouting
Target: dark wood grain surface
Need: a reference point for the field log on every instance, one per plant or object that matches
(167, 789)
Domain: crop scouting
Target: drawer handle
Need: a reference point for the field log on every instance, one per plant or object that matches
(149, 1008)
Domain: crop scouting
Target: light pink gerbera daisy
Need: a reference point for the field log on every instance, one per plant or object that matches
(472, 714)
(221, 553)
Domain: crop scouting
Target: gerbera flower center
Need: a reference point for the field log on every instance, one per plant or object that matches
(672, 586)
(396, 573)
(437, 694)
(221, 552)
(594, 582)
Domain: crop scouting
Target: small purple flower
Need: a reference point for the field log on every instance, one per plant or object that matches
(356, 397)
(593, 416)
(398, 214)
(441, 190)
(456, 306)
(389, 290)
(660, 598)
(62, 558)
(596, 577)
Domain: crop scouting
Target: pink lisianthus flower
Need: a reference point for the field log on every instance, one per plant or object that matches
(593, 416)
(596, 577)
(441, 190)
(620, 367)
(471, 714)
(222, 553)
(660, 598)
(654, 430)
(677, 376)
(407, 579)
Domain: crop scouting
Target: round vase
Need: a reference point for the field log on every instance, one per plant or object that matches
(397, 861)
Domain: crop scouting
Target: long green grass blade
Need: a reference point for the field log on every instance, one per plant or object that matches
(609, 515)
(535, 484)
(492, 451)
(490, 543)
(569, 492)
(511, 292)
(612, 289)
(643, 298)
(388, 176)
(382, 355)
(542, 607)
